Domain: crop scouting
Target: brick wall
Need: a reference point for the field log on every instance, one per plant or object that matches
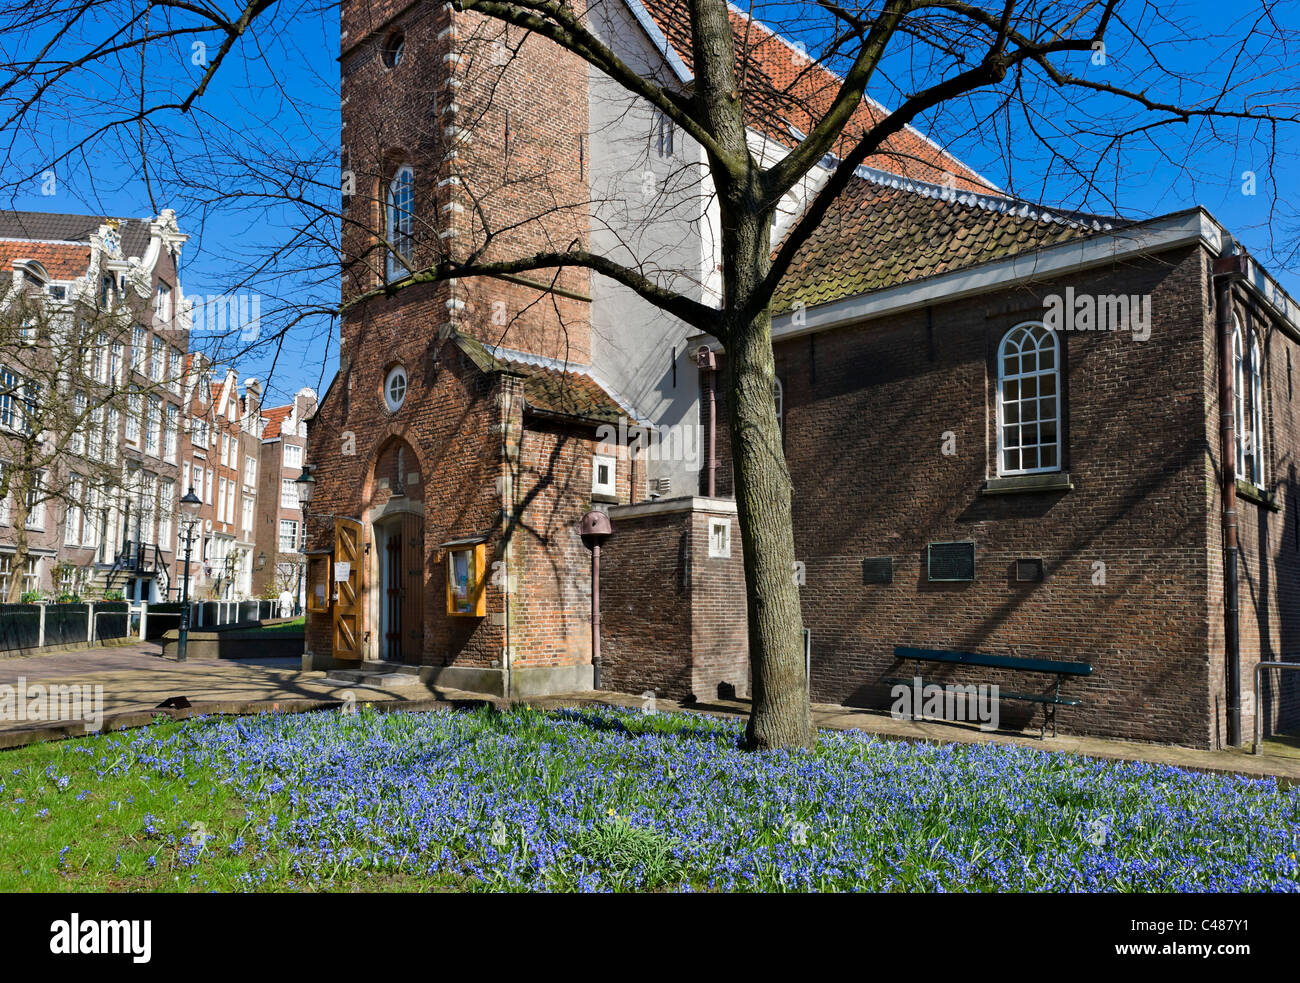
(867, 410)
(673, 617)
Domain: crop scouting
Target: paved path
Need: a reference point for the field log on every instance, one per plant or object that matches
(138, 677)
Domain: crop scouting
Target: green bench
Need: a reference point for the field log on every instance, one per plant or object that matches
(1014, 663)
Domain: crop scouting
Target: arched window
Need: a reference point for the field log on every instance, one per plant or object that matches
(1249, 409)
(1029, 401)
(778, 395)
(394, 48)
(400, 208)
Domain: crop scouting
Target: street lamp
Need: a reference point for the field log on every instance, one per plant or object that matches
(306, 485)
(190, 506)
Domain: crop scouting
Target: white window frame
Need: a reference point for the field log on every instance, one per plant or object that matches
(1021, 401)
(297, 453)
(250, 471)
(11, 413)
(36, 511)
(399, 209)
(609, 487)
(1248, 399)
(162, 304)
(293, 536)
(153, 426)
(170, 430)
(288, 494)
(394, 403)
(719, 538)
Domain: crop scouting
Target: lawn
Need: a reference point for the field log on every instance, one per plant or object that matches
(294, 627)
(601, 799)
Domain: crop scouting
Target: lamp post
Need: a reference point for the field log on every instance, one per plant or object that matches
(190, 506)
(306, 485)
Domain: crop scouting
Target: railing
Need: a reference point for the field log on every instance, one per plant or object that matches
(32, 626)
(140, 558)
(1259, 715)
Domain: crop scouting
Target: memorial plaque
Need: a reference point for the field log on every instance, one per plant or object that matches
(951, 561)
(878, 570)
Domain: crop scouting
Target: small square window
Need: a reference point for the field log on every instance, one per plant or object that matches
(720, 538)
(603, 473)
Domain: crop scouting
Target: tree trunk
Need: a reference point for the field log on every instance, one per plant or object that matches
(19, 517)
(781, 714)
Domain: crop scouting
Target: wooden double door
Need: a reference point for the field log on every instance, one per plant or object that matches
(399, 579)
(402, 589)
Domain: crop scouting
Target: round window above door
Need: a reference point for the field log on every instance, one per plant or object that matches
(395, 388)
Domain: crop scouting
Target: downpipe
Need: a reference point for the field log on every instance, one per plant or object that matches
(1229, 267)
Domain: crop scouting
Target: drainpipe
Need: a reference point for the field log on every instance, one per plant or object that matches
(1229, 267)
(595, 528)
(708, 363)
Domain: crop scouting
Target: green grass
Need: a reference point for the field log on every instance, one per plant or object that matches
(87, 832)
(598, 798)
(294, 627)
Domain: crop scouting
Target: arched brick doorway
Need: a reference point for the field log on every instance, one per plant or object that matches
(395, 521)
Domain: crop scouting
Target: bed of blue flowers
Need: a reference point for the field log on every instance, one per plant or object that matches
(603, 799)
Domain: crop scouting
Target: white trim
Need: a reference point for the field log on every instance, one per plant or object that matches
(389, 402)
(608, 487)
(690, 503)
(659, 40)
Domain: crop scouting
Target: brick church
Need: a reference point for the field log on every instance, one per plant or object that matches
(1030, 394)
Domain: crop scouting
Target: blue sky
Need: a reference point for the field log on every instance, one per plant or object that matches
(281, 98)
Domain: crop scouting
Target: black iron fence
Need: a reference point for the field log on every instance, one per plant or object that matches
(30, 626)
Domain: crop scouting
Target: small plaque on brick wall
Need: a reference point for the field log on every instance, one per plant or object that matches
(878, 570)
(951, 561)
(1029, 569)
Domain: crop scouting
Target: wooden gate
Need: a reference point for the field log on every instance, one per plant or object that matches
(349, 585)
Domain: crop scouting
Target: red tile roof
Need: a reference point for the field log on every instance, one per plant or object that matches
(62, 262)
(274, 418)
(783, 88)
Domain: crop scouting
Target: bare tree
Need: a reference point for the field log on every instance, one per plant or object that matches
(64, 391)
(1018, 77)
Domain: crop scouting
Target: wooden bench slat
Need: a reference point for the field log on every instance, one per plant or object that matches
(1012, 662)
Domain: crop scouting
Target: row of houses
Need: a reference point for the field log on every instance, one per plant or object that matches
(108, 418)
